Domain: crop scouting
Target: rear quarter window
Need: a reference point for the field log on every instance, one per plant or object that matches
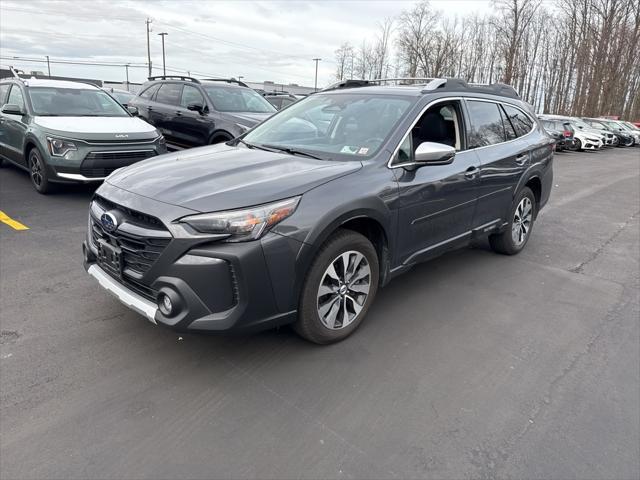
(520, 121)
(148, 93)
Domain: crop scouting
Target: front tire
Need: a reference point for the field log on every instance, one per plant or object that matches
(38, 172)
(516, 235)
(339, 289)
(577, 146)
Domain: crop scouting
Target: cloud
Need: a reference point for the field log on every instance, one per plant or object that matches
(258, 40)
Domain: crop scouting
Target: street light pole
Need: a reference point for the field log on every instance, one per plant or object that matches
(148, 22)
(315, 86)
(48, 66)
(164, 67)
(127, 68)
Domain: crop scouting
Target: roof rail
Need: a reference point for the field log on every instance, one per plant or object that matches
(227, 80)
(431, 83)
(174, 77)
(15, 75)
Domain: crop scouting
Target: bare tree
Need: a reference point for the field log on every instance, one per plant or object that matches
(344, 61)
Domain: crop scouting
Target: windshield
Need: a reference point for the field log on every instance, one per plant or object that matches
(73, 102)
(230, 99)
(580, 124)
(122, 97)
(345, 125)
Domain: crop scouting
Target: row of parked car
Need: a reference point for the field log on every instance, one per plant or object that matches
(578, 134)
(64, 131)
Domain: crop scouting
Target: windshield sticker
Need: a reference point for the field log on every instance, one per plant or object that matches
(363, 151)
(350, 150)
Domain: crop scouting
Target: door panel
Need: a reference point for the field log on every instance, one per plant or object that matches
(162, 110)
(190, 128)
(503, 159)
(15, 128)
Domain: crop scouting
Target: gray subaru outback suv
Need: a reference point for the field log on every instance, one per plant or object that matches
(64, 132)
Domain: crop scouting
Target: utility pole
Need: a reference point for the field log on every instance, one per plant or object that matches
(164, 67)
(48, 65)
(315, 87)
(127, 68)
(148, 22)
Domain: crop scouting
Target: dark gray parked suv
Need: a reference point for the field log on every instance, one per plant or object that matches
(302, 219)
(191, 112)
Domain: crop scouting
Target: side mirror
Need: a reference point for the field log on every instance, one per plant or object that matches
(196, 107)
(133, 110)
(430, 153)
(11, 109)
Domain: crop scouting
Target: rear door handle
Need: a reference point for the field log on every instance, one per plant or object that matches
(471, 172)
(178, 113)
(522, 158)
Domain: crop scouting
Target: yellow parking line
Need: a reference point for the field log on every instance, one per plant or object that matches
(4, 218)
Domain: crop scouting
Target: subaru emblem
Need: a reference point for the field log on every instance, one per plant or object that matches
(109, 221)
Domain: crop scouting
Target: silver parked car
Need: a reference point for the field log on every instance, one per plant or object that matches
(70, 132)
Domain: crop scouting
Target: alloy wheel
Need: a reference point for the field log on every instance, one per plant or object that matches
(521, 224)
(36, 170)
(343, 290)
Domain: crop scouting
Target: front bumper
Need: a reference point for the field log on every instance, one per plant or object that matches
(213, 286)
(95, 162)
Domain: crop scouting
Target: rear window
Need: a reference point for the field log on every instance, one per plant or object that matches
(486, 124)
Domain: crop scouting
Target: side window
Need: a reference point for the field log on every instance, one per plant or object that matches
(276, 102)
(169, 93)
(509, 131)
(521, 122)
(4, 88)
(286, 102)
(486, 124)
(148, 93)
(191, 95)
(15, 96)
(440, 124)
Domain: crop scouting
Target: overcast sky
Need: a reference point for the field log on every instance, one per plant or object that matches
(258, 40)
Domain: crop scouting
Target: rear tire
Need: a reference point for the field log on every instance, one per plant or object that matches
(38, 172)
(339, 289)
(517, 233)
(577, 146)
(219, 138)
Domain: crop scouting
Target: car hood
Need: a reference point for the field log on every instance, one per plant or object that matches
(220, 177)
(248, 119)
(98, 128)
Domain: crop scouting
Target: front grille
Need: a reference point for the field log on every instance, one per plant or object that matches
(103, 164)
(133, 155)
(137, 253)
(139, 217)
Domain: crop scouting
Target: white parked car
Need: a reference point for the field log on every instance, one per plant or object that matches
(607, 138)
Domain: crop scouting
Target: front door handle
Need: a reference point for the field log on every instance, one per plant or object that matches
(522, 158)
(471, 173)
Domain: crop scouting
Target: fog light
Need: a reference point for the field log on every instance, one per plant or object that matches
(165, 305)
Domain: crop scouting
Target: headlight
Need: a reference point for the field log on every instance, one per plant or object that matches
(162, 140)
(243, 128)
(59, 147)
(246, 224)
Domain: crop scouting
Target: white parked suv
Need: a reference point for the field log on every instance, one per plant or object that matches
(586, 137)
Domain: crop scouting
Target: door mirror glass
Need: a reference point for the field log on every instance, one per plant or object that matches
(133, 110)
(11, 109)
(431, 153)
(196, 107)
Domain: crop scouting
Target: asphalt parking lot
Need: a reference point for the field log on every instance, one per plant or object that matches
(474, 365)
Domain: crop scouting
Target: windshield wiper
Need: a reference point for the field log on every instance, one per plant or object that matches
(291, 151)
(252, 146)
